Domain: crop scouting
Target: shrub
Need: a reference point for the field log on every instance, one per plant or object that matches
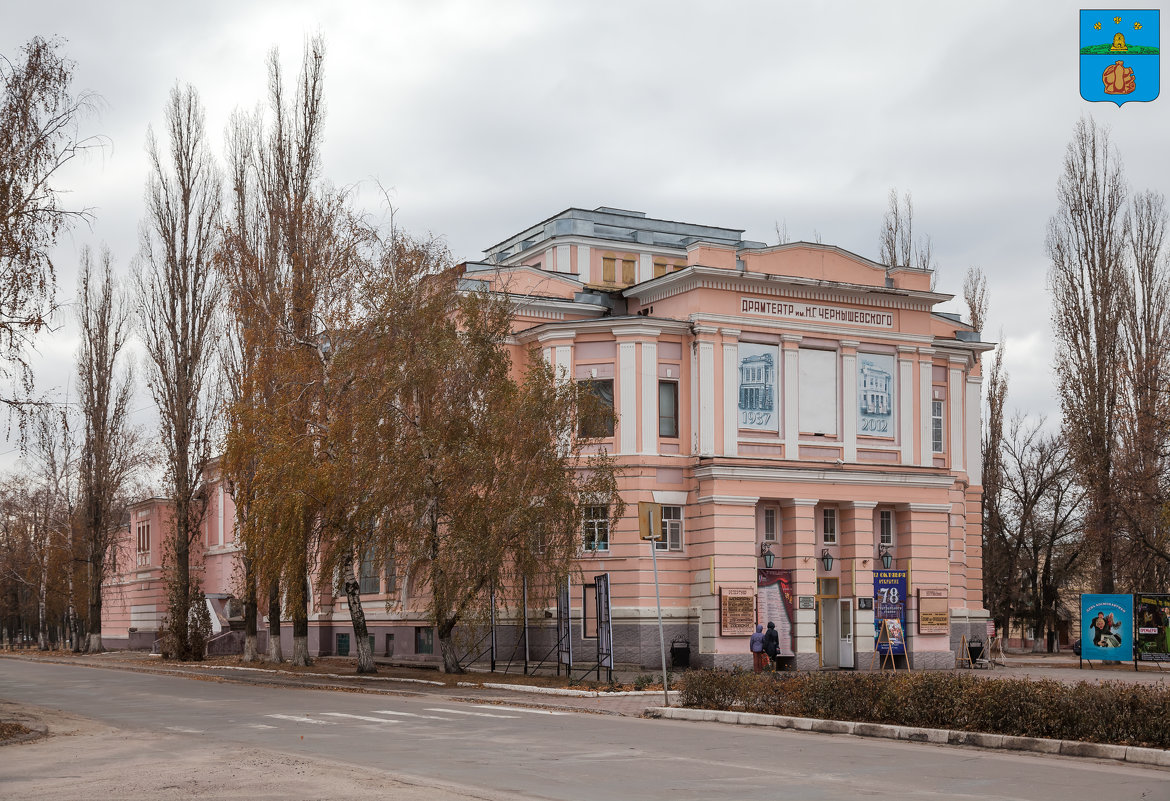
(1111, 712)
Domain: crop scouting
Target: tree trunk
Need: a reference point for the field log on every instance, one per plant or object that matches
(181, 589)
(249, 611)
(357, 616)
(300, 618)
(42, 593)
(93, 644)
(447, 647)
(274, 650)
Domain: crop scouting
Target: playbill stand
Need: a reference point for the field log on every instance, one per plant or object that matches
(889, 642)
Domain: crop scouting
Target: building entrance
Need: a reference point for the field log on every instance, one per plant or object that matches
(828, 623)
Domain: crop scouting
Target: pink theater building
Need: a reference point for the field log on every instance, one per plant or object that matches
(790, 402)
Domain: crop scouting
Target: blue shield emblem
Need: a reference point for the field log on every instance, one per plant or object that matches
(1119, 55)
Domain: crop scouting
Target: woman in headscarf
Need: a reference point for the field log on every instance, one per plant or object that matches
(757, 646)
(772, 643)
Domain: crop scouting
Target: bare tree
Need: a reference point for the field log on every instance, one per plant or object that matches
(39, 119)
(1000, 557)
(178, 298)
(975, 296)
(1085, 242)
(1144, 418)
(896, 244)
(109, 449)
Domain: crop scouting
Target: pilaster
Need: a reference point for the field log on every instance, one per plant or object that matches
(791, 429)
(906, 428)
(849, 398)
(730, 391)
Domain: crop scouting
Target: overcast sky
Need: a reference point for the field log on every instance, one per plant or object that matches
(483, 118)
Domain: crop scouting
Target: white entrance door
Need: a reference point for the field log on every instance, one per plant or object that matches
(830, 625)
(845, 646)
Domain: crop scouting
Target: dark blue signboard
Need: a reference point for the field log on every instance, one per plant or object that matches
(1107, 627)
(889, 603)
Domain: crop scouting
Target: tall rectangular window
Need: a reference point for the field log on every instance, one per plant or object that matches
(608, 269)
(602, 390)
(391, 576)
(886, 528)
(595, 528)
(668, 409)
(817, 392)
(143, 544)
(368, 575)
(629, 271)
(936, 426)
(770, 525)
(829, 526)
(672, 529)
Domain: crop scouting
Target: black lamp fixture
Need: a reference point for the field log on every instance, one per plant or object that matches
(767, 555)
(887, 557)
(826, 559)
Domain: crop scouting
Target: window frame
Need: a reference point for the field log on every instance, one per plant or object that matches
(368, 574)
(663, 382)
(591, 385)
(885, 516)
(592, 525)
(829, 513)
(143, 536)
(672, 531)
(938, 438)
(424, 635)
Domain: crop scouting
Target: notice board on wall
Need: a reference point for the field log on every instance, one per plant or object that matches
(934, 611)
(737, 611)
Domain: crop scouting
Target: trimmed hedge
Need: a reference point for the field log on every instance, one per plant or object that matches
(1114, 712)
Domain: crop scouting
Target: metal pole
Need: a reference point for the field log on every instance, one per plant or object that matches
(661, 636)
(493, 604)
(525, 625)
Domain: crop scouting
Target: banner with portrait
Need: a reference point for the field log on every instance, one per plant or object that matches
(1151, 615)
(774, 605)
(1107, 627)
(759, 371)
(875, 395)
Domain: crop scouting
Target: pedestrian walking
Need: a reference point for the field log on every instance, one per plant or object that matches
(772, 643)
(757, 646)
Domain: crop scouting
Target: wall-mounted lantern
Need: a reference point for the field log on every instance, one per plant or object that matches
(826, 559)
(887, 557)
(767, 555)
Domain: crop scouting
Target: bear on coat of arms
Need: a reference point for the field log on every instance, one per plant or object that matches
(1118, 79)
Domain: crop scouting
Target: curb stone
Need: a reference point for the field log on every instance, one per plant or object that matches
(1039, 745)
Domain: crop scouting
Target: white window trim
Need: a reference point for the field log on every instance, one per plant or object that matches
(666, 543)
(883, 515)
(585, 524)
(829, 512)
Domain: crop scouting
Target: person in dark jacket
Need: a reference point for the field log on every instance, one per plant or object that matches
(772, 643)
(757, 646)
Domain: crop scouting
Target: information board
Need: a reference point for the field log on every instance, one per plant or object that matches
(934, 610)
(737, 612)
(1107, 627)
(1151, 614)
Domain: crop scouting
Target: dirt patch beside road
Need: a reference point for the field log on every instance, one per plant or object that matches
(86, 760)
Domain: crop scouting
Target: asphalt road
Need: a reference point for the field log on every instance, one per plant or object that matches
(527, 753)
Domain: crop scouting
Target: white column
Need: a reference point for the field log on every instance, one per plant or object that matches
(649, 398)
(906, 403)
(694, 349)
(628, 392)
(791, 430)
(222, 535)
(707, 398)
(583, 265)
(564, 262)
(564, 362)
(730, 394)
(925, 380)
(645, 267)
(974, 425)
(849, 400)
(956, 397)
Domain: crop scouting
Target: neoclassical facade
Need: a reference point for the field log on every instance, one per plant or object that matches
(797, 400)
(777, 403)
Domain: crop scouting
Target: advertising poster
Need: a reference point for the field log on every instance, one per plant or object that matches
(758, 379)
(889, 603)
(1107, 627)
(1151, 614)
(774, 597)
(737, 611)
(875, 395)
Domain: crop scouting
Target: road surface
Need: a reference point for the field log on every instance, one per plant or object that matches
(475, 749)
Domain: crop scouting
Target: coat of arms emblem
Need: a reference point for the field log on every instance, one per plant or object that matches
(1119, 55)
